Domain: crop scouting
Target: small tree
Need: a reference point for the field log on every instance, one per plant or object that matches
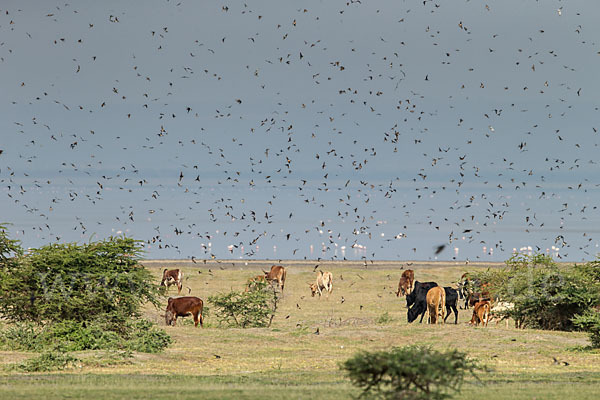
(99, 280)
(70, 297)
(411, 372)
(254, 308)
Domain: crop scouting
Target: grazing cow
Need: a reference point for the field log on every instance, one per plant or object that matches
(278, 274)
(418, 300)
(500, 310)
(405, 286)
(172, 277)
(436, 304)
(182, 306)
(324, 283)
(251, 284)
(451, 301)
(481, 313)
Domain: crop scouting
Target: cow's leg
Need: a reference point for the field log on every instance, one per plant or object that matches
(443, 309)
(175, 320)
(455, 314)
(195, 319)
(179, 287)
(422, 315)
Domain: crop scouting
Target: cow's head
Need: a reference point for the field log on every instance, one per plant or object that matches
(169, 317)
(414, 312)
(313, 289)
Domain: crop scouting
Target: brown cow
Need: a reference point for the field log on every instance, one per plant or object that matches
(324, 282)
(407, 280)
(278, 274)
(251, 284)
(436, 304)
(481, 313)
(172, 277)
(183, 306)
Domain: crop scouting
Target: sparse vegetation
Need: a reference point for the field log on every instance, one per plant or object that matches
(384, 318)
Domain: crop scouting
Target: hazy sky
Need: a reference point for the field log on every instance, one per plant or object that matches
(377, 130)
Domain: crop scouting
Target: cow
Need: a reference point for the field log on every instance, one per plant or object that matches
(481, 313)
(183, 306)
(451, 301)
(405, 286)
(278, 274)
(172, 277)
(324, 283)
(252, 282)
(418, 300)
(500, 311)
(436, 304)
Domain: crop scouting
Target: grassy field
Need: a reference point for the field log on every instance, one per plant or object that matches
(290, 359)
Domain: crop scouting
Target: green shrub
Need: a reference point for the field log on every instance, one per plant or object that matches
(21, 336)
(70, 297)
(146, 337)
(48, 361)
(246, 309)
(545, 295)
(590, 322)
(75, 282)
(384, 319)
(411, 372)
(142, 336)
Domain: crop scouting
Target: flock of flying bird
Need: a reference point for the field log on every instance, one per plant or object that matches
(388, 130)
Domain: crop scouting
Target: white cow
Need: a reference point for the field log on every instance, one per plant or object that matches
(324, 283)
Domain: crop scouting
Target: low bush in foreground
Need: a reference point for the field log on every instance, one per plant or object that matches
(141, 336)
(48, 361)
(411, 372)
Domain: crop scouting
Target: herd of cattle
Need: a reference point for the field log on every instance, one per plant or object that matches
(421, 297)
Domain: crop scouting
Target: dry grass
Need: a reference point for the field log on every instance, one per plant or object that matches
(236, 362)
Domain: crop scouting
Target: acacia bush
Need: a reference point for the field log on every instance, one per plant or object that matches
(254, 308)
(545, 294)
(411, 372)
(77, 282)
(71, 297)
